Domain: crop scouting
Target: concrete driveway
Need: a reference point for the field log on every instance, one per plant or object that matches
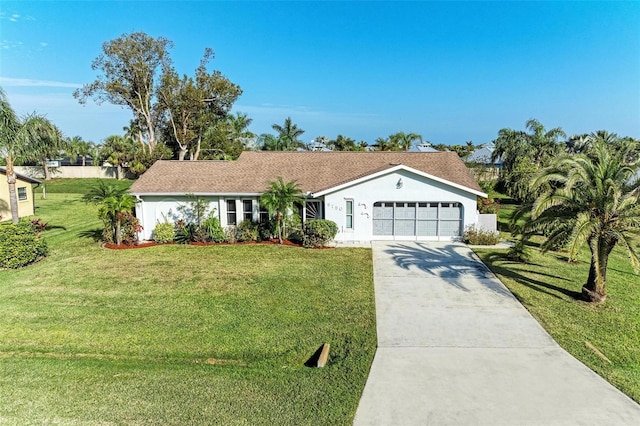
(456, 348)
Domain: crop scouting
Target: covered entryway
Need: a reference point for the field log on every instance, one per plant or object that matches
(417, 219)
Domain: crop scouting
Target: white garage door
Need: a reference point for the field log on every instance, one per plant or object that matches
(422, 219)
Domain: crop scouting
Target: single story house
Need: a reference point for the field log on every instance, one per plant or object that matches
(24, 191)
(369, 195)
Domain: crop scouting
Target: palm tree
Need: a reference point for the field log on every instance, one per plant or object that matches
(42, 141)
(77, 147)
(288, 135)
(279, 199)
(595, 197)
(404, 140)
(19, 139)
(544, 144)
(9, 146)
(118, 151)
(113, 202)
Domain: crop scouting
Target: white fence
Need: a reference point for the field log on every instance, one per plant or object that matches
(488, 222)
(37, 172)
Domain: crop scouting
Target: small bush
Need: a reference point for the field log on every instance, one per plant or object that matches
(213, 230)
(519, 252)
(480, 237)
(293, 228)
(20, 245)
(319, 232)
(129, 228)
(266, 230)
(164, 233)
(247, 231)
(231, 234)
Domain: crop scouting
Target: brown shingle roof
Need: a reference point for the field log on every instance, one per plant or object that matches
(313, 171)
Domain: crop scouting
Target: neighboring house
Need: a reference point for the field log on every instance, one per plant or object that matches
(369, 195)
(423, 147)
(483, 155)
(26, 205)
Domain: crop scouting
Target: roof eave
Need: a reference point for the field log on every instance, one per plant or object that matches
(394, 169)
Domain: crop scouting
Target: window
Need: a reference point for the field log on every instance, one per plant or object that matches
(349, 217)
(231, 212)
(264, 214)
(247, 210)
(22, 193)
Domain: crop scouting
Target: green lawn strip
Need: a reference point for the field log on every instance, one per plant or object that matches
(548, 285)
(259, 311)
(76, 186)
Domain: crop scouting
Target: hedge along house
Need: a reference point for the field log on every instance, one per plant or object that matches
(369, 195)
(24, 192)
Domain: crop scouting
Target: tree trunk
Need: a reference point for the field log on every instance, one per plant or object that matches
(595, 289)
(45, 167)
(118, 172)
(118, 237)
(182, 153)
(84, 160)
(13, 196)
(197, 154)
(280, 224)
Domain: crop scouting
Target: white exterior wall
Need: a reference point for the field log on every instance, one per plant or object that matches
(414, 188)
(152, 210)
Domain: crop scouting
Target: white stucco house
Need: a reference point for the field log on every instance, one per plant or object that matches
(369, 195)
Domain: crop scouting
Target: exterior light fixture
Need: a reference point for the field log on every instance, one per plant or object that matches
(399, 184)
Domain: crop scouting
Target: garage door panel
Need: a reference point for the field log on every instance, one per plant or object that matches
(425, 219)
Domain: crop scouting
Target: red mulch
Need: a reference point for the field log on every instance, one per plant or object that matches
(143, 244)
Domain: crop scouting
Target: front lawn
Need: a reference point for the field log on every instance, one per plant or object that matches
(181, 334)
(548, 286)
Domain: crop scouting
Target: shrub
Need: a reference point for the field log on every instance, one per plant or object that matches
(164, 232)
(480, 237)
(129, 228)
(293, 228)
(20, 245)
(213, 229)
(319, 232)
(267, 230)
(230, 234)
(247, 231)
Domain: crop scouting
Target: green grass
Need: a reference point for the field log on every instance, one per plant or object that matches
(548, 287)
(181, 334)
(76, 186)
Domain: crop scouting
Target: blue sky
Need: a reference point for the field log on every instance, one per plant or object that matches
(450, 71)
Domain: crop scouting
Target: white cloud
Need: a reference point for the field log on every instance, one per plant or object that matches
(14, 17)
(43, 44)
(27, 82)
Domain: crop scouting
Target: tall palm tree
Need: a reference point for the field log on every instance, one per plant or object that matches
(10, 148)
(544, 144)
(595, 196)
(288, 135)
(404, 140)
(279, 199)
(34, 138)
(42, 141)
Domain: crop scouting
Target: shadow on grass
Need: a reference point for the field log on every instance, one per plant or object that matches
(532, 283)
(94, 234)
(50, 227)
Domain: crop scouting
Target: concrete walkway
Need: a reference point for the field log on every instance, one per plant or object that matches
(456, 348)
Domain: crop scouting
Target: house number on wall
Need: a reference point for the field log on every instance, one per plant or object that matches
(334, 206)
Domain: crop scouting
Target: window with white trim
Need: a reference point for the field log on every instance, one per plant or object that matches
(231, 212)
(22, 193)
(349, 214)
(247, 210)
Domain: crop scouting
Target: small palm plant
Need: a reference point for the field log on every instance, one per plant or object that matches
(279, 199)
(114, 203)
(595, 195)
